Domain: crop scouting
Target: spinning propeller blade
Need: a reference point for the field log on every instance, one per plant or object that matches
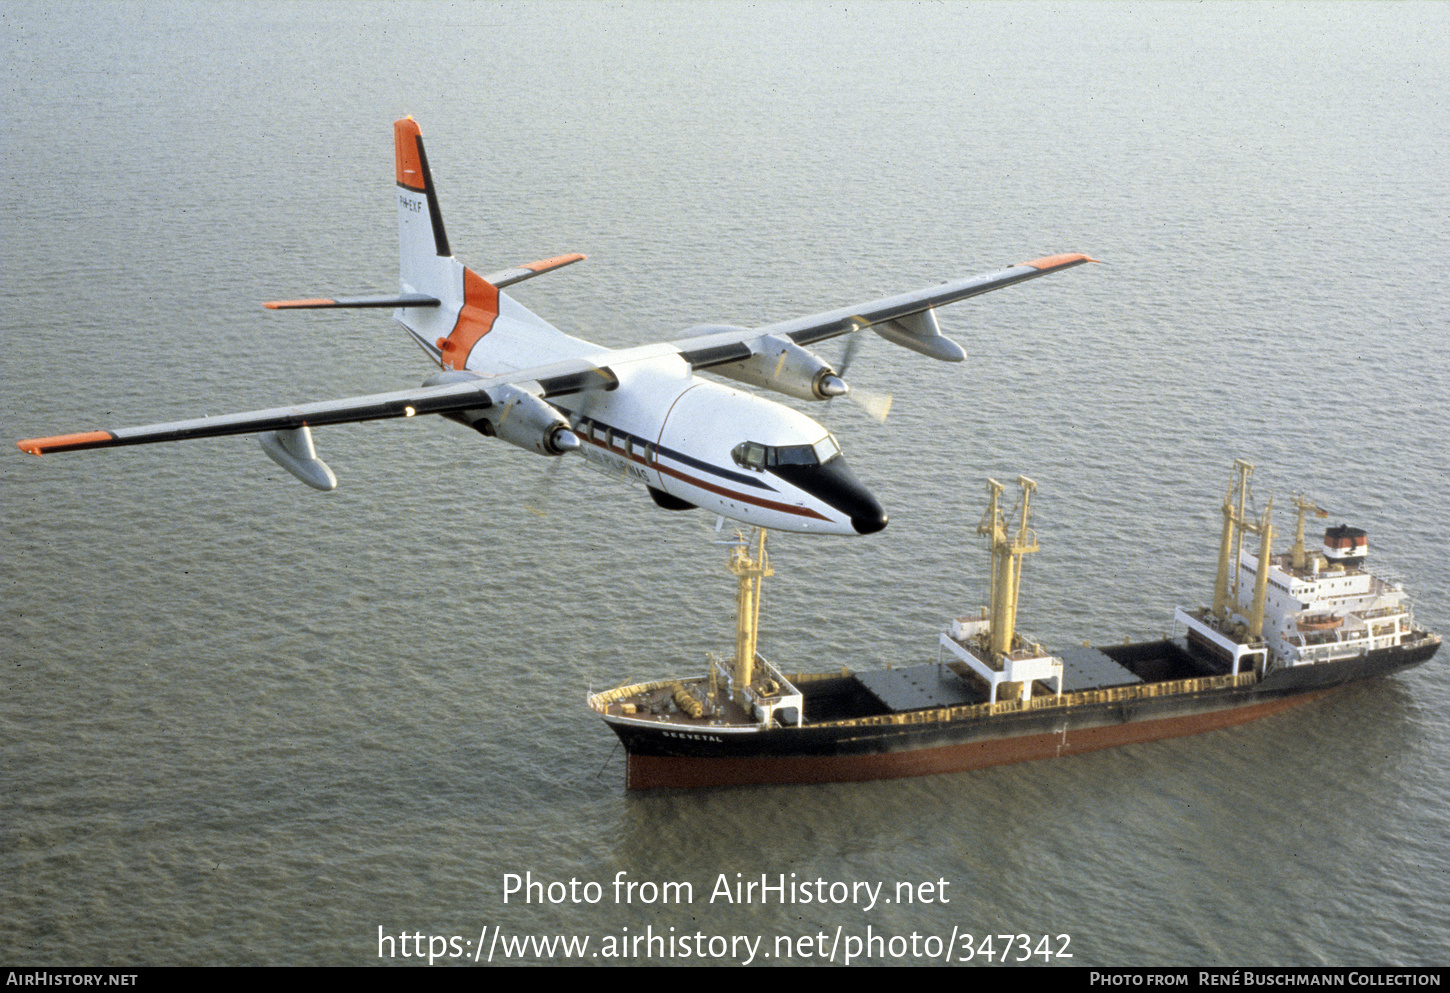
(875, 403)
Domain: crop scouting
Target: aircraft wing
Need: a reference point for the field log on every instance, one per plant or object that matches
(818, 327)
(904, 319)
(444, 398)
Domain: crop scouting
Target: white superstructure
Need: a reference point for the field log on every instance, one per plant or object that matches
(1300, 608)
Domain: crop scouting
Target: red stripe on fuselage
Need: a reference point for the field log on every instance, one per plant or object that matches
(775, 505)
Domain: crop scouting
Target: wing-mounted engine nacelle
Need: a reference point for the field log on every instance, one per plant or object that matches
(522, 419)
(292, 449)
(516, 416)
(777, 363)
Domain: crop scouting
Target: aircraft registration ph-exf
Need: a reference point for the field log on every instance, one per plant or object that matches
(642, 413)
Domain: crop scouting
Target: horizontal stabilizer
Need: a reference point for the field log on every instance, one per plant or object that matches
(389, 300)
(507, 277)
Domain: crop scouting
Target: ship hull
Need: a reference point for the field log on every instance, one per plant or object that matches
(852, 751)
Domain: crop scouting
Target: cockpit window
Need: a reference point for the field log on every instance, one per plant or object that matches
(753, 455)
(750, 454)
(792, 455)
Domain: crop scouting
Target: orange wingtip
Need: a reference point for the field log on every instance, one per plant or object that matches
(39, 446)
(1057, 261)
(298, 304)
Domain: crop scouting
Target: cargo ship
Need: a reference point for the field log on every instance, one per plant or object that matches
(1283, 629)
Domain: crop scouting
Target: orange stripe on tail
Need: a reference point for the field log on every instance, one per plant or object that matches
(475, 319)
(406, 133)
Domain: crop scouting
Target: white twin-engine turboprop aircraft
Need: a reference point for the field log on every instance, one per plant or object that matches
(642, 413)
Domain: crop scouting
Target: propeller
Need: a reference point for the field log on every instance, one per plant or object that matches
(875, 403)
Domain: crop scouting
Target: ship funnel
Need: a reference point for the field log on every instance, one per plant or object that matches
(1346, 545)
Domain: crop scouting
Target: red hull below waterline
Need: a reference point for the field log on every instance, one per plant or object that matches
(650, 771)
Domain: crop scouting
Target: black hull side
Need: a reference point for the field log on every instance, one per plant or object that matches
(846, 740)
(1327, 675)
(675, 755)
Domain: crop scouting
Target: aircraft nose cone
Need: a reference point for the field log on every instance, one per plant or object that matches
(835, 485)
(869, 524)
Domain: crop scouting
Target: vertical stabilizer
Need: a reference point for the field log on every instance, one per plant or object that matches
(469, 308)
(428, 237)
(425, 262)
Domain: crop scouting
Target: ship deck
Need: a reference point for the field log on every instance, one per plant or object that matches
(879, 693)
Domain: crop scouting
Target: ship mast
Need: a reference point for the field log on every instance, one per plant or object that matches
(751, 573)
(1303, 506)
(1237, 523)
(988, 645)
(1227, 555)
(1007, 552)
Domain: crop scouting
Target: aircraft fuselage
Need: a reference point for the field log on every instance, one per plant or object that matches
(711, 446)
